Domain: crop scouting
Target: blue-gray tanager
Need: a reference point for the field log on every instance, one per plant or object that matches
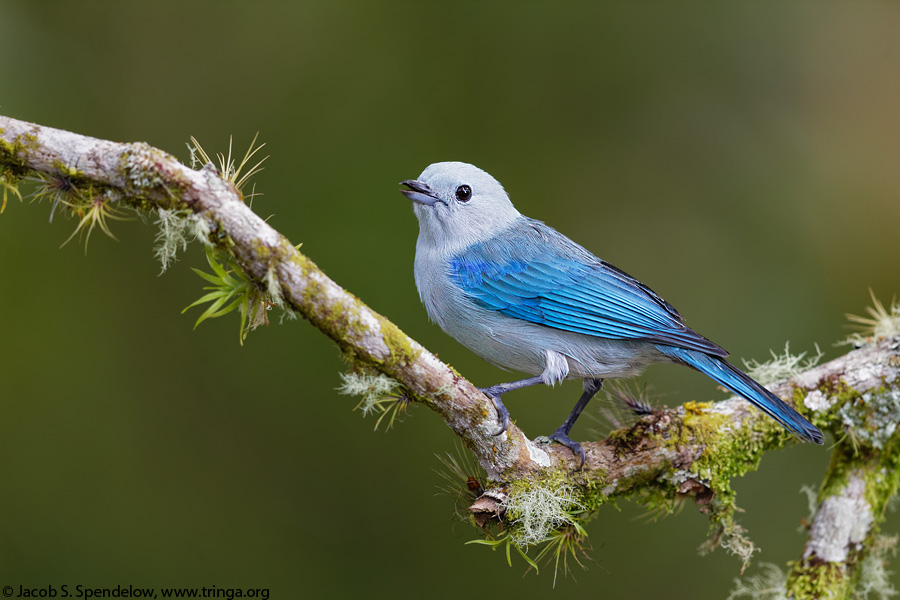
(525, 297)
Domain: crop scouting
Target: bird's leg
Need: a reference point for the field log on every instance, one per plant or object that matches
(561, 435)
(495, 391)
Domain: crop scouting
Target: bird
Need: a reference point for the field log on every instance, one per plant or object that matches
(526, 298)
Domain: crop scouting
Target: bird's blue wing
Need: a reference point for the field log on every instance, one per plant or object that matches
(533, 273)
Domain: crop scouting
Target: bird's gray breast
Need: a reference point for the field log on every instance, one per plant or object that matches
(492, 336)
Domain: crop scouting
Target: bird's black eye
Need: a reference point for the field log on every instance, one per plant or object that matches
(463, 193)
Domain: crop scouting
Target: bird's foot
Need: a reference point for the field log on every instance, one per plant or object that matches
(502, 412)
(560, 436)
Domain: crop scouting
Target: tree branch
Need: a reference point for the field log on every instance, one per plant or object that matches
(694, 450)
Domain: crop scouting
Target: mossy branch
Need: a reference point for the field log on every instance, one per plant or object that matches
(692, 451)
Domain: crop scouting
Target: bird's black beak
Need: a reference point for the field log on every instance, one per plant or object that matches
(419, 192)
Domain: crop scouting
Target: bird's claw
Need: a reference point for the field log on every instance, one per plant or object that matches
(502, 412)
(561, 437)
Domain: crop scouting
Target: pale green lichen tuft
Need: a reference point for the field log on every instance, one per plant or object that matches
(731, 537)
(782, 366)
(273, 288)
(361, 384)
(812, 506)
(537, 511)
(881, 322)
(768, 584)
(381, 395)
(202, 230)
(872, 418)
(287, 315)
(874, 578)
(177, 228)
(737, 542)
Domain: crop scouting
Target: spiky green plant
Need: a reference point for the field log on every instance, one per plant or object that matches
(881, 322)
(463, 477)
(7, 188)
(505, 541)
(230, 290)
(228, 169)
(59, 188)
(567, 542)
(94, 210)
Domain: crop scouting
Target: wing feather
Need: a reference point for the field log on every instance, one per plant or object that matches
(533, 273)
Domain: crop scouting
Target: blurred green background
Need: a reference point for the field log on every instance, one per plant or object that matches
(742, 159)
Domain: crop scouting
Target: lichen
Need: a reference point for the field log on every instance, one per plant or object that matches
(380, 394)
(782, 366)
(140, 164)
(872, 418)
(147, 187)
(273, 288)
(830, 393)
(177, 228)
(843, 520)
(874, 577)
(769, 584)
(535, 509)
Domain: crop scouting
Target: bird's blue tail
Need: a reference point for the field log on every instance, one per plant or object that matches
(740, 383)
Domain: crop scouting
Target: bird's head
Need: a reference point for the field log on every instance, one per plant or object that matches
(458, 204)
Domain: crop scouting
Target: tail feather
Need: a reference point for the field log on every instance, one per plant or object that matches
(740, 383)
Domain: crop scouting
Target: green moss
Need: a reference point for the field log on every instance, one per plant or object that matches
(263, 253)
(339, 323)
(313, 288)
(543, 503)
(819, 580)
(345, 319)
(13, 163)
(398, 343)
(885, 480)
(880, 470)
(12, 155)
(547, 478)
(723, 458)
(839, 393)
(70, 172)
